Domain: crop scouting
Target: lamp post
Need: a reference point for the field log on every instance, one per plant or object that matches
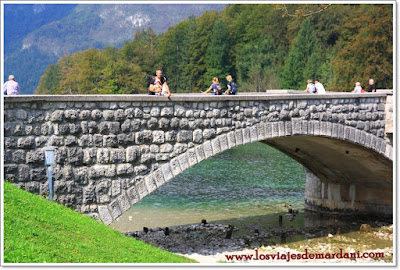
(49, 161)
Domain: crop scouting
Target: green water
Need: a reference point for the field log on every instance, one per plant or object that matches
(242, 184)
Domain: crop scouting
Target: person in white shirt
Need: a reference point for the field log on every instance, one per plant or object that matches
(320, 87)
(357, 89)
(11, 87)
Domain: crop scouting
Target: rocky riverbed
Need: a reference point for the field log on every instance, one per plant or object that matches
(209, 242)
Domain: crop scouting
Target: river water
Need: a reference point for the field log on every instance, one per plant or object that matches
(244, 184)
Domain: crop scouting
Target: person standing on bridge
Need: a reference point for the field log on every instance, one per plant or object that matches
(154, 90)
(319, 86)
(11, 87)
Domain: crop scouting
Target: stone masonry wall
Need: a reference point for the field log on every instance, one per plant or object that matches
(106, 145)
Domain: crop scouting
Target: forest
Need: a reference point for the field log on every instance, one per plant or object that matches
(263, 46)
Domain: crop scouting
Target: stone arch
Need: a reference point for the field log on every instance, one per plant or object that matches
(268, 132)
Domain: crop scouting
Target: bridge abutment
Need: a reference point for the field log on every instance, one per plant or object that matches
(347, 198)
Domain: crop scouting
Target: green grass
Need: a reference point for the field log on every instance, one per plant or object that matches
(39, 231)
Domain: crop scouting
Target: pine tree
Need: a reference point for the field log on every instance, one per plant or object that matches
(217, 59)
(198, 49)
(256, 65)
(294, 71)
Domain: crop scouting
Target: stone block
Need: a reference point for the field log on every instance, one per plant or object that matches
(167, 111)
(170, 136)
(119, 115)
(124, 169)
(216, 146)
(152, 123)
(275, 129)
(61, 155)
(198, 136)
(141, 170)
(341, 131)
(71, 115)
(141, 189)
(183, 161)
(209, 133)
(81, 175)
(223, 139)
(84, 115)
(124, 202)
(175, 166)
(34, 157)
(132, 195)
(253, 134)
(184, 124)
(174, 123)
(132, 153)
(38, 174)
(63, 129)
(239, 137)
(108, 115)
(281, 128)
(231, 136)
(117, 155)
(103, 156)
(192, 157)
(208, 151)
(57, 116)
(18, 130)
(163, 123)
(150, 183)
(246, 135)
(317, 128)
(21, 114)
(75, 155)
(200, 154)
(115, 188)
(184, 136)
(26, 142)
(18, 156)
(105, 215)
(167, 172)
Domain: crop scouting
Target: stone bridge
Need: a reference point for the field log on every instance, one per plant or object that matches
(111, 151)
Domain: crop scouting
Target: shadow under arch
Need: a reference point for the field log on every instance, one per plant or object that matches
(339, 154)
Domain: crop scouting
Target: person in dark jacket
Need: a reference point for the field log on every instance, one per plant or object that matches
(372, 87)
(232, 87)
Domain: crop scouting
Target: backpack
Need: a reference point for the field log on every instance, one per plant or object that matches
(315, 90)
(234, 87)
(219, 89)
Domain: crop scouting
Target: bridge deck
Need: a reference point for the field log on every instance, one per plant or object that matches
(250, 96)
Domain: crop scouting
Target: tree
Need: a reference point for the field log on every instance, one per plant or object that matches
(174, 55)
(305, 49)
(198, 49)
(256, 63)
(50, 81)
(217, 58)
(365, 49)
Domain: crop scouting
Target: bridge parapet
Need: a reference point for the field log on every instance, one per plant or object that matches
(111, 151)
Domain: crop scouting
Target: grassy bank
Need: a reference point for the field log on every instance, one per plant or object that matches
(38, 231)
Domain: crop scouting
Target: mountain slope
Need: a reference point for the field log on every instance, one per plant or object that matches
(90, 26)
